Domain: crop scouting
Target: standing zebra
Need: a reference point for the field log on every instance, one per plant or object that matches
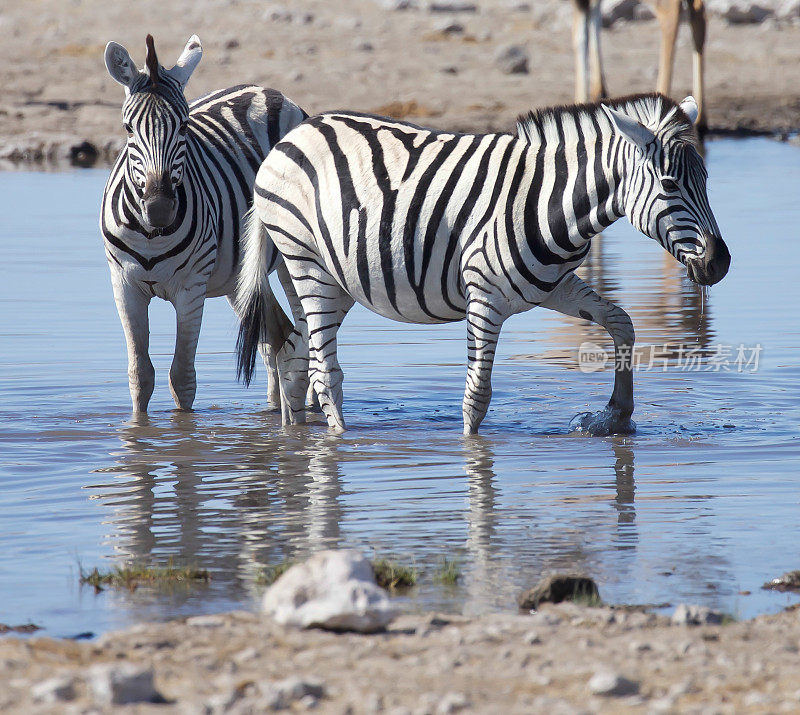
(173, 204)
(429, 227)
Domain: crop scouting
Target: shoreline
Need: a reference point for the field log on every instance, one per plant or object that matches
(562, 658)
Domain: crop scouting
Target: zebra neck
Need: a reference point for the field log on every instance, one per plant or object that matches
(574, 189)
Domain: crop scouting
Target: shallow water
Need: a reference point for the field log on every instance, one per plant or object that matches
(700, 505)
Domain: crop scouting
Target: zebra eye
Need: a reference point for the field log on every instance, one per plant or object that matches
(128, 128)
(670, 186)
(184, 127)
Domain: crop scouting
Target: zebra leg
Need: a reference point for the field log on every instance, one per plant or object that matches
(573, 297)
(182, 377)
(483, 330)
(132, 305)
(311, 399)
(324, 313)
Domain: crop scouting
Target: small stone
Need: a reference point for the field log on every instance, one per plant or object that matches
(452, 6)
(607, 683)
(54, 690)
(790, 581)
(693, 615)
(231, 43)
(452, 703)
(558, 588)
(531, 638)
(448, 28)
(364, 46)
(123, 684)
(614, 11)
(277, 13)
(209, 621)
(398, 4)
(740, 12)
(512, 59)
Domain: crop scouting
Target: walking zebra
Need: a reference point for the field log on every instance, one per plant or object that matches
(427, 227)
(172, 207)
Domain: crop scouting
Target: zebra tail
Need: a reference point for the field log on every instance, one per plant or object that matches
(261, 318)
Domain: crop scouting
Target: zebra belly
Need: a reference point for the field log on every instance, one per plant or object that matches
(390, 288)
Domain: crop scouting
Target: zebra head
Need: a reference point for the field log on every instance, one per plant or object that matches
(156, 117)
(664, 184)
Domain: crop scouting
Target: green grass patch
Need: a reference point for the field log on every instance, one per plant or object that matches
(134, 575)
(448, 573)
(270, 574)
(393, 576)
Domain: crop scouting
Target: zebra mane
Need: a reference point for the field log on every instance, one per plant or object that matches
(662, 115)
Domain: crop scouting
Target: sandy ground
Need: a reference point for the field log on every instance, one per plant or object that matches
(548, 662)
(356, 54)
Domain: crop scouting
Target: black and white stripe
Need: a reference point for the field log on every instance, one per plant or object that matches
(426, 227)
(172, 209)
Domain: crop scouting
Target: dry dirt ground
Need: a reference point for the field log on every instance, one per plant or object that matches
(356, 54)
(554, 661)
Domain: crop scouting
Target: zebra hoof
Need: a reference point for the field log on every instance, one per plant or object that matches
(603, 423)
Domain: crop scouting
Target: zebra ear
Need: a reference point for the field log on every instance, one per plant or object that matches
(690, 108)
(632, 129)
(120, 65)
(187, 61)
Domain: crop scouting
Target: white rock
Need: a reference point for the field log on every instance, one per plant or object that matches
(608, 683)
(692, 615)
(54, 690)
(123, 684)
(335, 590)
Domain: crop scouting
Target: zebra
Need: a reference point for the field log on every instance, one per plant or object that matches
(172, 206)
(425, 226)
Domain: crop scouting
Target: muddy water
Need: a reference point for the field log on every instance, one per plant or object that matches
(701, 505)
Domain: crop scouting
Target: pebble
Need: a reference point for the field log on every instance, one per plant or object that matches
(279, 695)
(123, 684)
(452, 703)
(558, 587)
(452, 6)
(512, 59)
(54, 690)
(531, 638)
(612, 684)
(450, 28)
(686, 614)
(740, 12)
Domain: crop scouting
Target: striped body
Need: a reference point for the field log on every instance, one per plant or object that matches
(428, 227)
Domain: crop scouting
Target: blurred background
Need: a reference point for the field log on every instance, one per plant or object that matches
(462, 64)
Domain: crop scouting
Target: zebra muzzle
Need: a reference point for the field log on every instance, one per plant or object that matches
(713, 265)
(159, 203)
